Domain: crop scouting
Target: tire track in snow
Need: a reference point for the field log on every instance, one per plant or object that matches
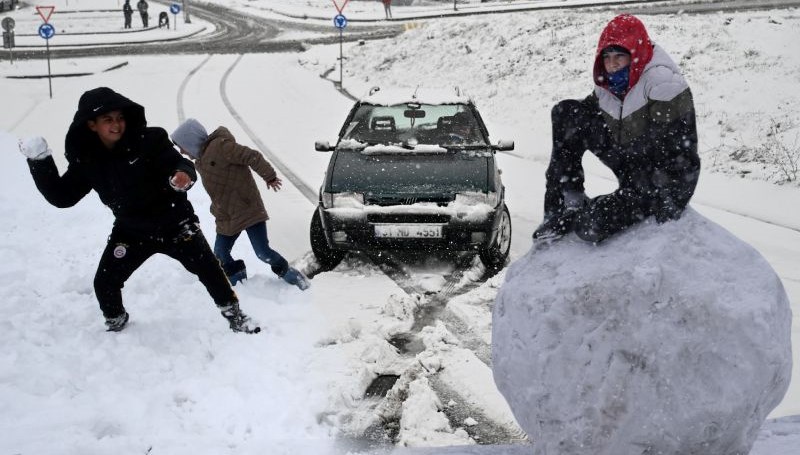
(184, 84)
(306, 190)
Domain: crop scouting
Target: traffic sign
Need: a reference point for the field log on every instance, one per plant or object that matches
(175, 8)
(47, 31)
(339, 21)
(45, 12)
(8, 24)
(338, 8)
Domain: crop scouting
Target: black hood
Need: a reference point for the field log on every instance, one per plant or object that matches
(96, 102)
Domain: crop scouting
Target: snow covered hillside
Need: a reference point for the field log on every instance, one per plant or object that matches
(741, 68)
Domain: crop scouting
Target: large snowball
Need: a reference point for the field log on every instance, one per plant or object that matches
(666, 339)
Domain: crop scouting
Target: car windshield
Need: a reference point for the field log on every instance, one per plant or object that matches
(409, 174)
(449, 125)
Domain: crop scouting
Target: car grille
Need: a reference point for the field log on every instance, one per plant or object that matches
(407, 218)
(406, 200)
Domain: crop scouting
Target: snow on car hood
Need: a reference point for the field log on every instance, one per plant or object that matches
(427, 149)
(468, 206)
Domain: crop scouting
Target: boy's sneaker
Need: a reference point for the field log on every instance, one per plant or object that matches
(118, 323)
(235, 271)
(297, 278)
(239, 321)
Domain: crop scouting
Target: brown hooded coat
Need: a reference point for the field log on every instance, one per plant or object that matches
(224, 167)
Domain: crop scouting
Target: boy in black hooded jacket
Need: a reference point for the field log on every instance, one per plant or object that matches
(143, 180)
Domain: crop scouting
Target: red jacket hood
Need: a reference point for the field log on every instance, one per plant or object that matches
(627, 31)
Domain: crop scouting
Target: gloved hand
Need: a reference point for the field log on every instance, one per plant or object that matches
(180, 181)
(34, 148)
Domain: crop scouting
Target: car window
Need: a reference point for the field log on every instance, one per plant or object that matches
(415, 174)
(445, 124)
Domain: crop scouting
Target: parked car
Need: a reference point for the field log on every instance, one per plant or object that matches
(412, 171)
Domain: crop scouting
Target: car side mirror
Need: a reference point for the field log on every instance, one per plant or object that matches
(322, 146)
(503, 145)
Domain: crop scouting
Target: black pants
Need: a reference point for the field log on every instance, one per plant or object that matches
(126, 251)
(579, 126)
(128, 20)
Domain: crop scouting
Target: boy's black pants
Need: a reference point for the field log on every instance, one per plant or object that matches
(126, 251)
(578, 126)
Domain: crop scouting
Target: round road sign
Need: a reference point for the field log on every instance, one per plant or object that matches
(8, 24)
(340, 21)
(175, 8)
(47, 30)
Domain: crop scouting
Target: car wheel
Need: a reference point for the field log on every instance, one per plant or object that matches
(495, 255)
(327, 257)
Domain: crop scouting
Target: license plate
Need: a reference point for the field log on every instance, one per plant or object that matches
(408, 231)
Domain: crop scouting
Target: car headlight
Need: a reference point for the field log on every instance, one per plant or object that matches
(473, 198)
(342, 200)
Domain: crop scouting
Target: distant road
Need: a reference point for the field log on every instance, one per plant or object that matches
(240, 33)
(236, 33)
(714, 6)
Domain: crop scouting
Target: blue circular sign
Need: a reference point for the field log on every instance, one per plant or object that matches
(340, 21)
(175, 8)
(47, 31)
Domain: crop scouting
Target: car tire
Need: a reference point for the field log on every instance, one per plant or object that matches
(494, 256)
(328, 258)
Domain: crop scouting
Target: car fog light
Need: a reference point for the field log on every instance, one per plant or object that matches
(339, 236)
(478, 237)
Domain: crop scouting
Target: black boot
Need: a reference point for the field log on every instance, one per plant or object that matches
(239, 321)
(556, 226)
(236, 271)
(118, 323)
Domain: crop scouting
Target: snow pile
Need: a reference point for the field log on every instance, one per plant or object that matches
(670, 339)
(423, 423)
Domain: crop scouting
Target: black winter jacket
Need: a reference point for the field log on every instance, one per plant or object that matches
(132, 179)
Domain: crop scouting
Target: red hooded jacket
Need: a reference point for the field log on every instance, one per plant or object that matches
(626, 31)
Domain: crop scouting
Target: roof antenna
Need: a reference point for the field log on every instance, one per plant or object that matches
(458, 90)
(374, 89)
(414, 96)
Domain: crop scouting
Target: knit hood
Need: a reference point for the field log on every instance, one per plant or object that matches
(190, 136)
(629, 33)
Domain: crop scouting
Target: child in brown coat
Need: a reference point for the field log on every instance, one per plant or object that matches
(225, 168)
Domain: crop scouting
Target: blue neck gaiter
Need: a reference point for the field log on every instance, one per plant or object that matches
(618, 82)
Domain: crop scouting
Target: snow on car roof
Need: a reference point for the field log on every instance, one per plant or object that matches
(424, 95)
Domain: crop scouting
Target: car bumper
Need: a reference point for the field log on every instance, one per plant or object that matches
(358, 233)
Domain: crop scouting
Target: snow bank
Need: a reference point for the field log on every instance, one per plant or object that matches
(670, 339)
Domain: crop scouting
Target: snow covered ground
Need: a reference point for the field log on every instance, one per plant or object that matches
(177, 381)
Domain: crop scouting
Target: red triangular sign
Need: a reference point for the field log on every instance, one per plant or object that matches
(45, 12)
(337, 5)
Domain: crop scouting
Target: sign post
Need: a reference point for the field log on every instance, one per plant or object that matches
(175, 9)
(340, 22)
(47, 31)
(8, 36)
